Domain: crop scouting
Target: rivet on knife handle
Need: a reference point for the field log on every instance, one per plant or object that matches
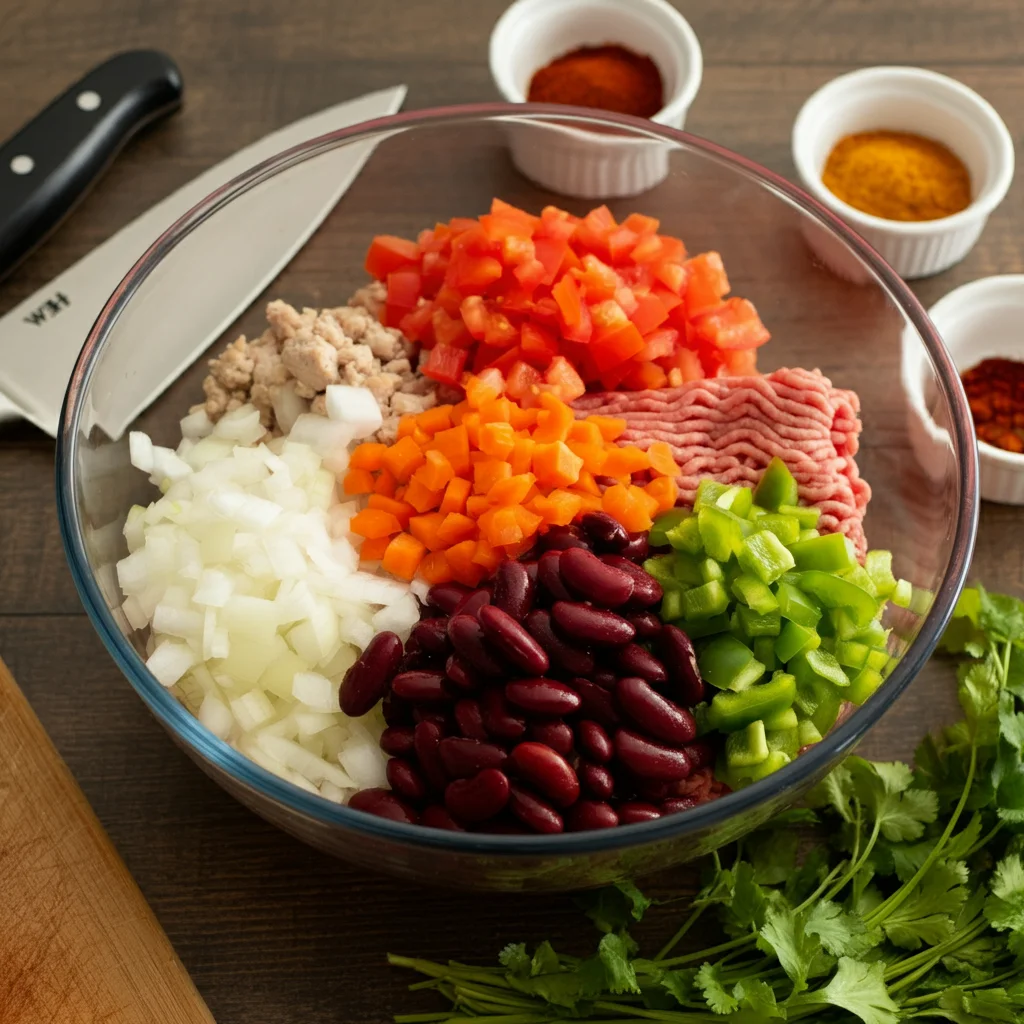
(48, 165)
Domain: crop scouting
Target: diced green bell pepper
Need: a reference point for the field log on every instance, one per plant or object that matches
(686, 536)
(660, 567)
(807, 733)
(658, 534)
(879, 567)
(797, 606)
(731, 710)
(671, 605)
(710, 570)
(776, 487)
(782, 719)
(859, 575)
(710, 492)
(721, 532)
(705, 601)
(819, 701)
(738, 500)
(756, 512)
(764, 651)
(786, 528)
(878, 659)
(835, 592)
(902, 594)
(729, 664)
(920, 600)
(787, 741)
(828, 643)
(747, 747)
(753, 624)
(874, 634)
(864, 684)
(807, 515)
(793, 639)
(808, 534)
(852, 653)
(753, 593)
(763, 555)
(775, 760)
(707, 627)
(686, 569)
(818, 663)
(830, 552)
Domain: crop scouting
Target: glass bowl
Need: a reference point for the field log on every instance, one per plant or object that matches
(428, 166)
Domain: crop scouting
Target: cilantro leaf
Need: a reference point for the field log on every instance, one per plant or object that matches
(773, 855)
(614, 907)
(1004, 908)
(515, 958)
(836, 792)
(1015, 672)
(802, 882)
(884, 790)
(709, 981)
(978, 1006)
(613, 951)
(545, 960)
(980, 682)
(783, 934)
(841, 934)
(1000, 615)
(858, 988)
(758, 996)
(680, 984)
(1007, 778)
(927, 915)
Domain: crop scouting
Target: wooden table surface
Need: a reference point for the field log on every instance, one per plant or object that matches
(270, 930)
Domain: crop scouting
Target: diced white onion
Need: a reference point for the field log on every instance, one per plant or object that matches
(140, 451)
(170, 661)
(315, 691)
(355, 407)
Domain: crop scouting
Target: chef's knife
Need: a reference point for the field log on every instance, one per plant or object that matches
(40, 339)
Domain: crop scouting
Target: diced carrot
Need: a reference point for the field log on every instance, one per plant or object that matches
(421, 497)
(486, 385)
(497, 439)
(406, 426)
(486, 474)
(460, 561)
(522, 419)
(588, 502)
(662, 460)
(594, 456)
(585, 432)
(385, 484)
(610, 426)
(665, 491)
(455, 495)
(373, 550)
(435, 568)
(455, 527)
(620, 502)
(554, 420)
(426, 528)
(497, 410)
(529, 522)
(500, 526)
(358, 481)
(471, 424)
(477, 505)
(432, 420)
(521, 457)
(435, 473)
(555, 465)
(458, 411)
(454, 445)
(559, 508)
(401, 510)
(586, 484)
(403, 556)
(516, 551)
(368, 455)
(373, 523)
(403, 458)
(487, 556)
(623, 462)
(646, 501)
(512, 490)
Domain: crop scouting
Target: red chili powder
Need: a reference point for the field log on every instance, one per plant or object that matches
(607, 77)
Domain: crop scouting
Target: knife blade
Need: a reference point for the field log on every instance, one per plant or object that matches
(41, 337)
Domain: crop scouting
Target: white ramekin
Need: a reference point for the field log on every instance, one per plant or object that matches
(925, 103)
(573, 161)
(977, 321)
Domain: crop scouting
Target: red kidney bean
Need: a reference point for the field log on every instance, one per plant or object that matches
(561, 538)
(473, 602)
(396, 740)
(467, 637)
(596, 780)
(529, 562)
(547, 771)
(464, 757)
(432, 636)
(650, 760)
(585, 574)
(596, 702)
(604, 678)
(594, 741)
(499, 720)
(435, 816)
(680, 659)
(428, 714)
(561, 654)
(445, 596)
(588, 815)
(549, 578)
(634, 660)
(630, 813)
(461, 674)
(384, 804)
(646, 589)
(479, 798)
(604, 531)
(395, 711)
(591, 625)
(533, 812)
(405, 780)
(470, 720)
(555, 734)
(513, 589)
(513, 642)
(654, 714)
(653, 790)
(426, 740)
(543, 696)
(367, 681)
(637, 549)
(421, 687)
(677, 804)
(701, 753)
(646, 624)
(503, 828)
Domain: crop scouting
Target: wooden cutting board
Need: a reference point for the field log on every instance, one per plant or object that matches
(78, 943)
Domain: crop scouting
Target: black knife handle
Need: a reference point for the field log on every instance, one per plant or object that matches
(51, 163)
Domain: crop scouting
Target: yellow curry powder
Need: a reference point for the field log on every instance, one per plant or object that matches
(897, 176)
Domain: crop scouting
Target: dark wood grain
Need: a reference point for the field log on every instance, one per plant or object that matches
(271, 930)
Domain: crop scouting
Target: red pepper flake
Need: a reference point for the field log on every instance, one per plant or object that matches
(995, 393)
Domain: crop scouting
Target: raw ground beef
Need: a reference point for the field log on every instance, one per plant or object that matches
(728, 428)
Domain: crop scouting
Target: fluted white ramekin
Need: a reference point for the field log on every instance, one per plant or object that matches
(925, 103)
(573, 161)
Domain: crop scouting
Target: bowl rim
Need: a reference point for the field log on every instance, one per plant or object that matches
(927, 84)
(186, 728)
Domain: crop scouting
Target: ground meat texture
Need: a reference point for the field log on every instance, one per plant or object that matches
(729, 428)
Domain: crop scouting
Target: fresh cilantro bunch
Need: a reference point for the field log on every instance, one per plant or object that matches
(909, 903)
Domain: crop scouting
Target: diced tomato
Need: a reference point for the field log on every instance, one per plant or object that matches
(418, 325)
(508, 359)
(621, 243)
(733, 325)
(741, 362)
(471, 274)
(658, 344)
(551, 253)
(706, 283)
(566, 294)
(668, 298)
(607, 315)
(646, 376)
(583, 331)
(642, 224)
(647, 249)
(610, 379)
(450, 330)
(404, 289)
(672, 249)
(521, 378)
(614, 345)
(529, 220)
(500, 332)
(539, 344)
(563, 377)
(445, 364)
(434, 267)
(627, 299)
(530, 274)
(671, 275)
(556, 223)
(650, 313)
(686, 362)
(592, 232)
(473, 311)
(449, 299)
(388, 253)
(545, 311)
(597, 279)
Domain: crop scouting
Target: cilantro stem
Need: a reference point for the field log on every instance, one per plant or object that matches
(968, 986)
(984, 840)
(662, 1015)
(677, 938)
(911, 963)
(826, 882)
(704, 954)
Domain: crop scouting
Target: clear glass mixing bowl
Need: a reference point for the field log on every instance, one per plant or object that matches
(431, 165)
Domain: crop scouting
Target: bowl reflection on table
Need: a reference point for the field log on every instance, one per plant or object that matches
(430, 166)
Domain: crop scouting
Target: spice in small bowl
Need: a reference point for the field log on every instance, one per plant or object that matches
(995, 392)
